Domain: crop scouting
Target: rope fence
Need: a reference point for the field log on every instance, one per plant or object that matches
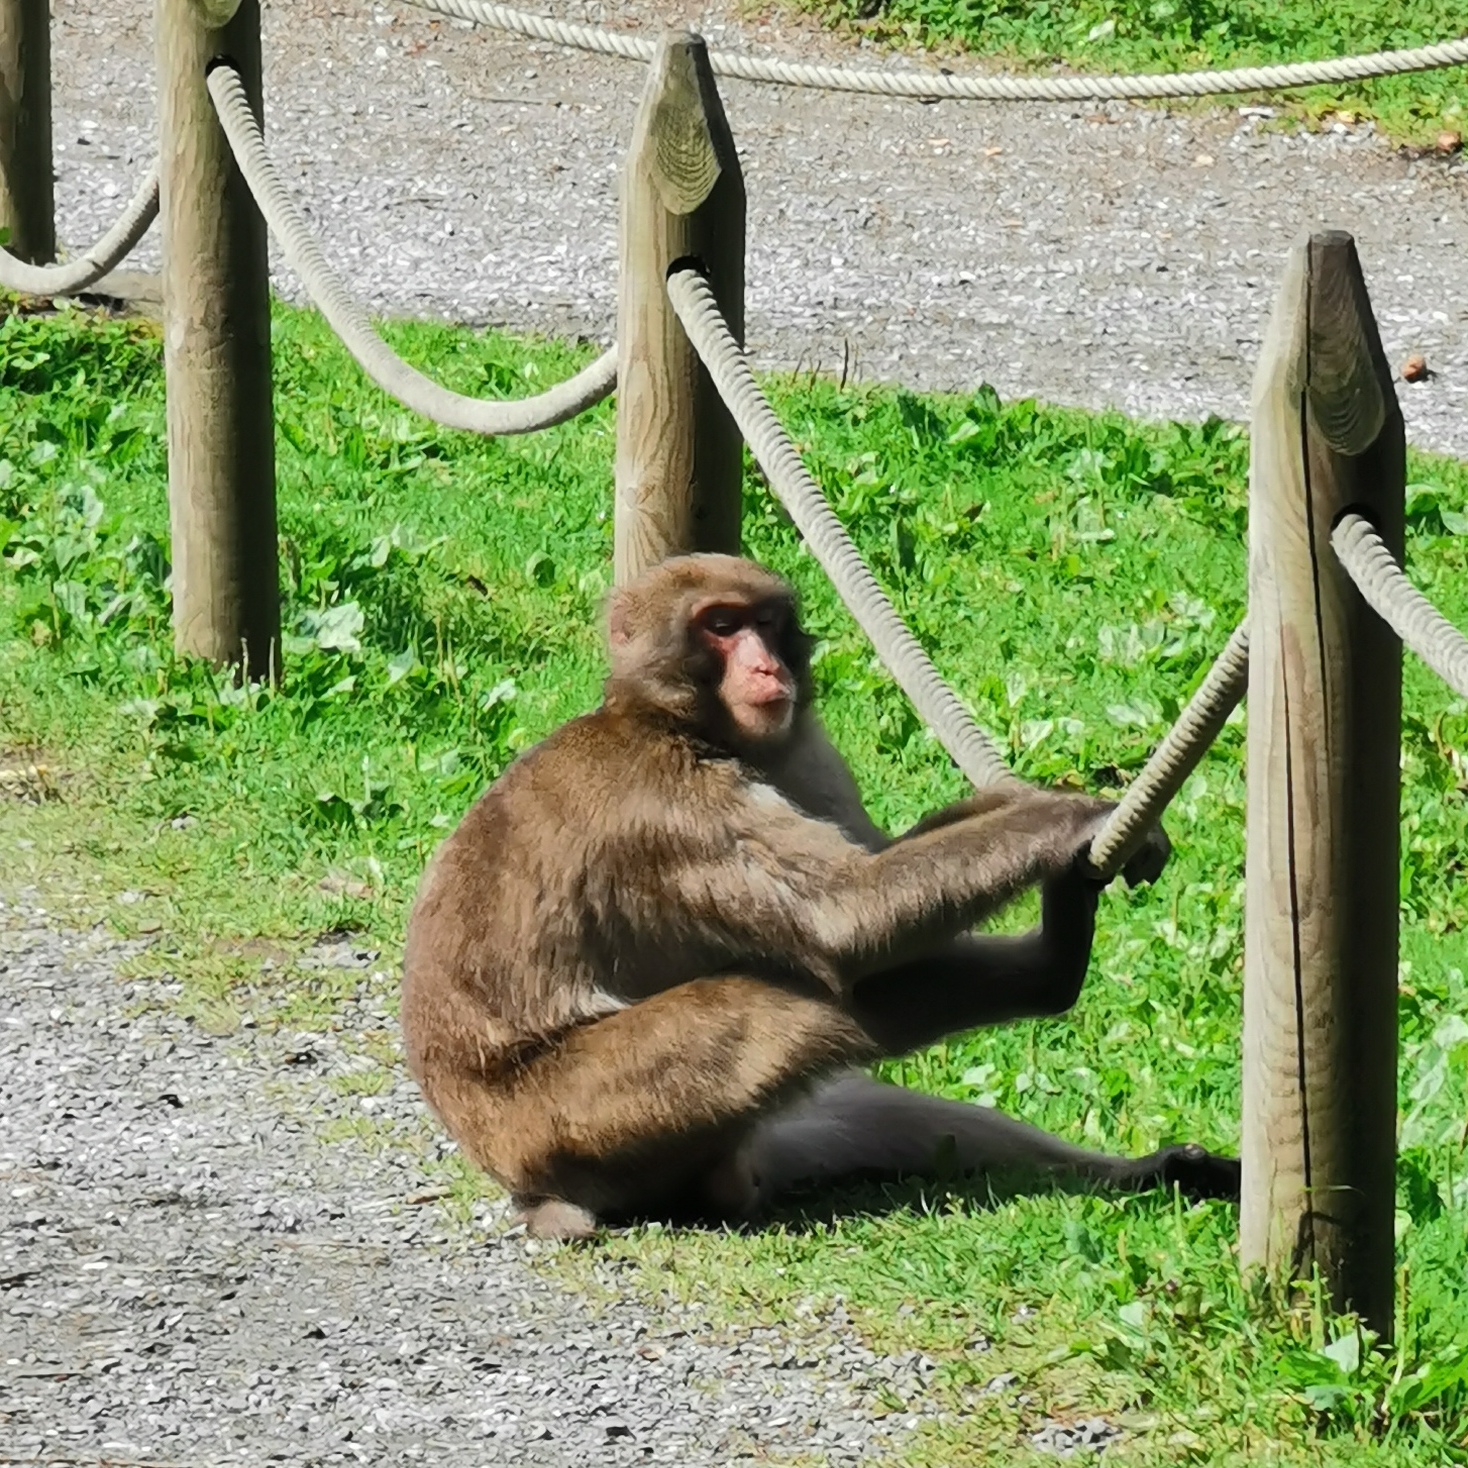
(93, 263)
(944, 85)
(1321, 664)
(1361, 551)
(350, 320)
(1176, 757)
(791, 482)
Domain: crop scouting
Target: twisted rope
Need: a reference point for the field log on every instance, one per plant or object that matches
(967, 88)
(91, 264)
(350, 320)
(1199, 724)
(1384, 586)
(972, 750)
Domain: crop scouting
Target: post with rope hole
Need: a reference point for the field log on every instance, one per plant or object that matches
(679, 453)
(1320, 947)
(27, 199)
(216, 352)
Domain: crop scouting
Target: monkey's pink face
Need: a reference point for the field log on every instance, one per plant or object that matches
(756, 687)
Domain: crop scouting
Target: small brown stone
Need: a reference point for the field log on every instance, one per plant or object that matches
(1414, 369)
(1449, 141)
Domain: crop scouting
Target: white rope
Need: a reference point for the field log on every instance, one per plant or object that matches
(973, 751)
(352, 324)
(1182, 747)
(91, 264)
(1398, 603)
(926, 84)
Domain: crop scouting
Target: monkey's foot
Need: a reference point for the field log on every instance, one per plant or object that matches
(732, 1188)
(1196, 1171)
(552, 1218)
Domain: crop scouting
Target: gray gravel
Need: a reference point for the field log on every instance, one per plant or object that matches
(1086, 254)
(210, 1254)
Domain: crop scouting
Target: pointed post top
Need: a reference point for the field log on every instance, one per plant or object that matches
(682, 135)
(1322, 342)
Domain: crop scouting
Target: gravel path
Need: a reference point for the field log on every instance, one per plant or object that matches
(1086, 254)
(202, 1262)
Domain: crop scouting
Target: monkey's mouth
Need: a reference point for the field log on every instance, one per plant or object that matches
(769, 717)
(778, 697)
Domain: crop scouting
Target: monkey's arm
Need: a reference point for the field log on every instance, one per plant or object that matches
(1144, 866)
(812, 772)
(997, 797)
(788, 892)
(985, 979)
(1029, 975)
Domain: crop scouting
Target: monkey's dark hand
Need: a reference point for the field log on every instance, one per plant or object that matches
(1146, 863)
(1068, 904)
(1067, 928)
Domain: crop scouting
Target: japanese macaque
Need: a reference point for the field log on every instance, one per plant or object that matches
(639, 973)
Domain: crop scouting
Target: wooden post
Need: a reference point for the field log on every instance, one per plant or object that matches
(216, 325)
(679, 454)
(1320, 949)
(27, 200)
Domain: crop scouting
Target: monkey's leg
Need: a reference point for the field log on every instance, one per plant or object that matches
(971, 982)
(854, 1126)
(646, 1110)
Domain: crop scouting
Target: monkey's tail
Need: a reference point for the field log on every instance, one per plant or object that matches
(853, 1126)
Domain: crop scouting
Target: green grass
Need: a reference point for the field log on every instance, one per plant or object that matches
(1073, 574)
(1184, 35)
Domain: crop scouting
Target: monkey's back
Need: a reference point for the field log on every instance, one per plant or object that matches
(521, 924)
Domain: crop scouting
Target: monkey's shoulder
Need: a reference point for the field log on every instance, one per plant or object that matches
(598, 780)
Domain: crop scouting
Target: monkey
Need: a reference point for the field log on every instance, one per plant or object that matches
(641, 974)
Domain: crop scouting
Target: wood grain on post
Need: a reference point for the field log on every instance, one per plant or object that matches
(27, 200)
(216, 325)
(1320, 948)
(679, 454)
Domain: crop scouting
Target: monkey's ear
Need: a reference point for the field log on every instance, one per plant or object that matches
(619, 620)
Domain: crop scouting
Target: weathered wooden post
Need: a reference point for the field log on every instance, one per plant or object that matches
(1320, 949)
(27, 200)
(216, 315)
(678, 451)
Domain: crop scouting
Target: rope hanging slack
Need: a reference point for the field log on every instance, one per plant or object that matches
(91, 264)
(931, 84)
(972, 750)
(350, 320)
(1385, 588)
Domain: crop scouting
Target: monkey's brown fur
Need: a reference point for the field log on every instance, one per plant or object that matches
(656, 930)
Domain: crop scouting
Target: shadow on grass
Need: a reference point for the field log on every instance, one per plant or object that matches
(819, 1209)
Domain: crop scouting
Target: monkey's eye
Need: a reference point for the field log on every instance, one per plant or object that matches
(722, 621)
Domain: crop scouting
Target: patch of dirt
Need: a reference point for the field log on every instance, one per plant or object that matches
(228, 1244)
(30, 775)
